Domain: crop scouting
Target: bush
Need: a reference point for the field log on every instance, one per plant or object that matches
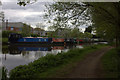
(34, 35)
(4, 73)
(5, 34)
(4, 40)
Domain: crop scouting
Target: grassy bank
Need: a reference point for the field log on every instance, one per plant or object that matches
(49, 65)
(110, 64)
(4, 40)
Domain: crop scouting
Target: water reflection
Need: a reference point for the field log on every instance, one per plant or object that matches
(19, 55)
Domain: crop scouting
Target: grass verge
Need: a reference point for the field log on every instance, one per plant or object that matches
(47, 66)
(4, 40)
(110, 64)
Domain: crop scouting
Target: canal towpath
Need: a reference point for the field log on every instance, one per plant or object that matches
(89, 67)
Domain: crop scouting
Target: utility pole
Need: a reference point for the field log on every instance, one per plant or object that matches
(6, 24)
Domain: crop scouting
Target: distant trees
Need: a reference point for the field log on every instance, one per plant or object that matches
(26, 29)
(40, 25)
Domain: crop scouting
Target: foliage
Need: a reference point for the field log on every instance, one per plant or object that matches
(87, 35)
(45, 63)
(4, 40)
(40, 26)
(63, 32)
(5, 34)
(26, 29)
(105, 18)
(110, 64)
(25, 2)
(35, 35)
(76, 33)
(69, 33)
(67, 14)
(2, 16)
(4, 73)
(88, 29)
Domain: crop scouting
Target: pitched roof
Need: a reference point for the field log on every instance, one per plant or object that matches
(13, 24)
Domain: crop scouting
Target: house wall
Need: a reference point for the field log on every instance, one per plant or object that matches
(13, 29)
(41, 33)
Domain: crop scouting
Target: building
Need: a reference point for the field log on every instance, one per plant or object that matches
(12, 26)
(63, 32)
(16, 26)
(41, 32)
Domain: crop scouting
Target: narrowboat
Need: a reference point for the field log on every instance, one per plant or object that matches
(14, 50)
(58, 40)
(17, 38)
(70, 41)
(80, 40)
(58, 47)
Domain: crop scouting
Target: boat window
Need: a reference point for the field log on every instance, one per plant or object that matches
(39, 39)
(45, 39)
(24, 39)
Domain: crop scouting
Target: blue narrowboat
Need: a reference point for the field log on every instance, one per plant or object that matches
(17, 38)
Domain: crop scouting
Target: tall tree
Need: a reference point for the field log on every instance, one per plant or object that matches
(106, 17)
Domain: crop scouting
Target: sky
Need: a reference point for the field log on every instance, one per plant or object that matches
(30, 14)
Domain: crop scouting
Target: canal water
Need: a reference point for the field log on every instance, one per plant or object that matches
(13, 56)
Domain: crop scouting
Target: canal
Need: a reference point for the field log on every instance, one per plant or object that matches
(13, 56)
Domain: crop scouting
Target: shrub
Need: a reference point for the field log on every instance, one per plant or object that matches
(5, 34)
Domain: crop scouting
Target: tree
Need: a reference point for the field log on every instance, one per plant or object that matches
(26, 29)
(75, 33)
(25, 2)
(106, 20)
(40, 25)
(70, 14)
(88, 29)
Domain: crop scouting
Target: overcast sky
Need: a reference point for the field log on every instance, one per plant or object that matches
(30, 14)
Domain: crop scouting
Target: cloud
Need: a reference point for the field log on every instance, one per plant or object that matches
(38, 6)
(29, 13)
